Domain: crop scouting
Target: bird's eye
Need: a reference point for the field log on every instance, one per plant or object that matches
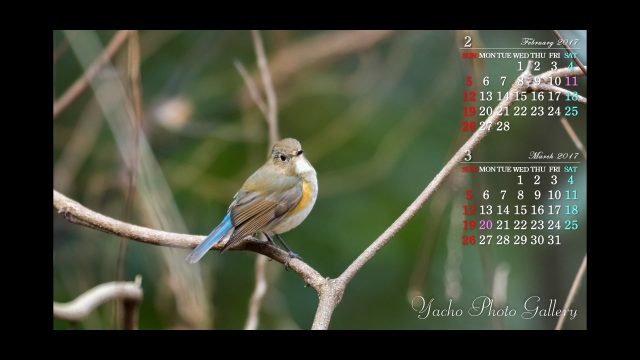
(283, 158)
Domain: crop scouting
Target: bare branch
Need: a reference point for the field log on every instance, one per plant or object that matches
(318, 49)
(545, 77)
(583, 267)
(573, 136)
(258, 293)
(272, 102)
(76, 213)
(568, 49)
(82, 83)
(557, 89)
(60, 50)
(253, 89)
(83, 305)
(572, 293)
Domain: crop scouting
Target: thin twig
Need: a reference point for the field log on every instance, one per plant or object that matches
(546, 77)
(60, 50)
(420, 273)
(568, 49)
(499, 291)
(133, 67)
(258, 293)
(583, 267)
(272, 102)
(318, 49)
(83, 82)
(79, 308)
(557, 89)
(80, 144)
(572, 293)
(573, 136)
(253, 88)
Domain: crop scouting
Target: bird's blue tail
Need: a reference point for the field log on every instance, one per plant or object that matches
(216, 235)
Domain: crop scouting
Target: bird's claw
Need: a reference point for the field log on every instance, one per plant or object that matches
(292, 255)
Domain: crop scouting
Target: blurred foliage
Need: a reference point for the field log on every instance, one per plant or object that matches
(377, 124)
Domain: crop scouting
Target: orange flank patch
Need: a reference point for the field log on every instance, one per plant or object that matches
(304, 200)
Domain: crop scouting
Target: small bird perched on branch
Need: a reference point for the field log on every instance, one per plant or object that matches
(274, 200)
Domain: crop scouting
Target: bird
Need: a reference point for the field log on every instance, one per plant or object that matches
(273, 200)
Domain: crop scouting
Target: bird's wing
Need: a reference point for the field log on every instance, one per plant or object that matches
(253, 210)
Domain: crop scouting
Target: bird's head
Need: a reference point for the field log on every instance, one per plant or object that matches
(288, 156)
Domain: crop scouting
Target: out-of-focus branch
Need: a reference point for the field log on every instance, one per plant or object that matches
(317, 49)
(78, 309)
(568, 48)
(154, 193)
(546, 77)
(572, 293)
(60, 50)
(253, 88)
(83, 82)
(583, 267)
(265, 74)
(77, 149)
(253, 318)
(573, 136)
(561, 91)
(133, 70)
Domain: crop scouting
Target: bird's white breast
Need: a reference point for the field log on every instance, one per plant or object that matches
(303, 166)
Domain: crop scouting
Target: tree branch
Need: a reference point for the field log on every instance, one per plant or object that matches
(557, 89)
(76, 213)
(272, 103)
(253, 89)
(82, 83)
(583, 267)
(253, 319)
(545, 77)
(572, 293)
(83, 305)
(568, 49)
(317, 49)
(573, 136)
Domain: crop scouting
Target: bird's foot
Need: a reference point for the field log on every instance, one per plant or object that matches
(292, 255)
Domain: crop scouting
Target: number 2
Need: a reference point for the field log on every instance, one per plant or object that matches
(467, 41)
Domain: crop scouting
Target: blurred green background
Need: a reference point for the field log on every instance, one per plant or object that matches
(378, 115)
